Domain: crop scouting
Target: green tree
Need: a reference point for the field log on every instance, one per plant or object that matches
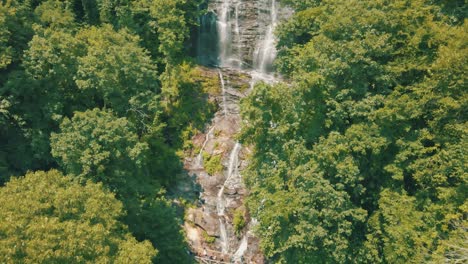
(172, 20)
(375, 112)
(58, 58)
(184, 101)
(40, 93)
(303, 218)
(400, 227)
(16, 31)
(156, 219)
(115, 67)
(6, 51)
(49, 218)
(56, 14)
(98, 145)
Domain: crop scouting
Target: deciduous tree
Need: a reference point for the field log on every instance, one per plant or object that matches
(50, 218)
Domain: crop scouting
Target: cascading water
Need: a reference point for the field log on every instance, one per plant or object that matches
(223, 91)
(241, 250)
(265, 52)
(224, 32)
(221, 203)
(236, 19)
(263, 57)
(223, 236)
(245, 50)
(199, 159)
(229, 34)
(238, 33)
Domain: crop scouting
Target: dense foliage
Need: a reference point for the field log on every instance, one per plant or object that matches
(362, 159)
(105, 92)
(50, 218)
(359, 158)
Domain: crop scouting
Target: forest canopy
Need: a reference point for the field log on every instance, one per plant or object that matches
(362, 158)
(83, 94)
(50, 218)
(358, 154)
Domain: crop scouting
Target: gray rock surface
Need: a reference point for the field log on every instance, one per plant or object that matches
(235, 36)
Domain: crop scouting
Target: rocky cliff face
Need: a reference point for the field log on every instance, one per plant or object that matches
(236, 39)
(210, 226)
(245, 24)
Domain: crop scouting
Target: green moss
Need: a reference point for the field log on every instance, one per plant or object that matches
(208, 239)
(208, 80)
(196, 150)
(239, 220)
(186, 203)
(244, 87)
(212, 164)
(187, 134)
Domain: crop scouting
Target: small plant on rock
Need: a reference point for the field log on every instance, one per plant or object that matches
(212, 163)
(239, 220)
(208, 239)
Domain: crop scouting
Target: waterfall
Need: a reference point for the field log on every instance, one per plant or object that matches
(265, 52)
(236, 20)
(224, 32)
(223, 90)
(223, 236)
(199, 159)
(237, 257)
(239, 35)
(221, 202)
(232, 171)
(234, 161)
(232, 42)
(229, 34)
(241, 250)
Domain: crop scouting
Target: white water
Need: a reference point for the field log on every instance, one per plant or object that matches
(221, 201)
(230, 25)
(229, 33)
(223, 90)
(223, 236)
(234, 161)
(224, 32)
(232, 171)
(199, 159)
(238, 34)
(237, 257)
(265, 52)
(236, 19)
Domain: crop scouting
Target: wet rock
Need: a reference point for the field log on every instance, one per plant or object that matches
(241, 191)
(218, 151)
(210, 184)
(234, 203)
(254, 18)
(205, 220)
(230, 191)
(247, 31)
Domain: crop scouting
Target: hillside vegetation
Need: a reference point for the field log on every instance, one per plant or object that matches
(105, 92)
(359, 156)
(362, 159)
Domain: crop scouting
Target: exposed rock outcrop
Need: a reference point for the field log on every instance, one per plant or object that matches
(247, 23)
(236, 37)
(226, 184)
